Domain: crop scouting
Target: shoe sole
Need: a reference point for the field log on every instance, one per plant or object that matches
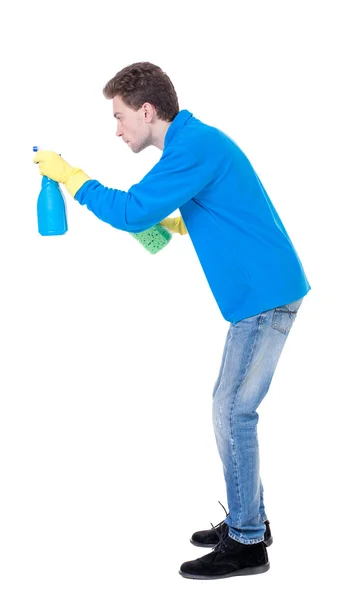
(248, 571)
(267, 543)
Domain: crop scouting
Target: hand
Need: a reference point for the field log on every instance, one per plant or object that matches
(52, 165)
(175, 224)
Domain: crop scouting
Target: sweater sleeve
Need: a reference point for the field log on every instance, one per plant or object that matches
(178, 176)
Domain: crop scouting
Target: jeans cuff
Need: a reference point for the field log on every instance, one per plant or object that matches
(246, 541)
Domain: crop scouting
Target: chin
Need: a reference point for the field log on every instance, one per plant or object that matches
(141, 146)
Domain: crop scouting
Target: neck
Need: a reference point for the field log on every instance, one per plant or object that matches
(159, 134)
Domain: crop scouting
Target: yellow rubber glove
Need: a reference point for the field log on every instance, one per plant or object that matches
(175, 224)
(52, 165)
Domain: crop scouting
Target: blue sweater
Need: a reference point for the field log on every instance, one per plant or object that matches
(246, 254)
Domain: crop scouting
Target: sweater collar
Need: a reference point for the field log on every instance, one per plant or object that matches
(179, 121)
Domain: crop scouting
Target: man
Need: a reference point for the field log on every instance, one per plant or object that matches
(250, 264)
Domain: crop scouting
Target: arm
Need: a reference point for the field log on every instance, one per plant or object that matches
(174, 180)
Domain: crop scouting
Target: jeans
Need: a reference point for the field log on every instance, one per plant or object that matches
(251, 353)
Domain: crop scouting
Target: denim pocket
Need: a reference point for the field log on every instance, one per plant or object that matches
(284, 316)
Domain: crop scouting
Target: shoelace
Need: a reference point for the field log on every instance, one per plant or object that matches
(221, 522)
(221, 545)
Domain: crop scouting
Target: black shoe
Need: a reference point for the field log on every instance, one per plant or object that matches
(228, 559)
(208, 538)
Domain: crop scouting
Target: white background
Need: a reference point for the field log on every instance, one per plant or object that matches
(108, 354)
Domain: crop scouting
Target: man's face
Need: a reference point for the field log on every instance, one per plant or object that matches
(132, 125)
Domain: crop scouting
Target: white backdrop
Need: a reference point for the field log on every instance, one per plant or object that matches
(108, 355)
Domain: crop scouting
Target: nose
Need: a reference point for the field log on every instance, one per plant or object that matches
(119, 131)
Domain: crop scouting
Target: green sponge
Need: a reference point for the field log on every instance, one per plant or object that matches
(153, 239)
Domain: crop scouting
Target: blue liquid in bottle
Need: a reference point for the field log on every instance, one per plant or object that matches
(51, 209)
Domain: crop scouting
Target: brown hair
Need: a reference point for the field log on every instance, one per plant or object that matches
(144, 82)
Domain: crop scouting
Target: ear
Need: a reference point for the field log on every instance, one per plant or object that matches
(149, 112)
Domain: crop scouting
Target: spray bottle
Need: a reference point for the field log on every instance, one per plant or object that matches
(51, 207)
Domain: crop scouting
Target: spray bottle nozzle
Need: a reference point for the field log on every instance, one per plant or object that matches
(37, 148)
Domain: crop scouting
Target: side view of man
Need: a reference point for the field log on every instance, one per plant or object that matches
(250, 263)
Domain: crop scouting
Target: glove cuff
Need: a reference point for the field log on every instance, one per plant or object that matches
(75, 181)
(175, 224)
(182, 227)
